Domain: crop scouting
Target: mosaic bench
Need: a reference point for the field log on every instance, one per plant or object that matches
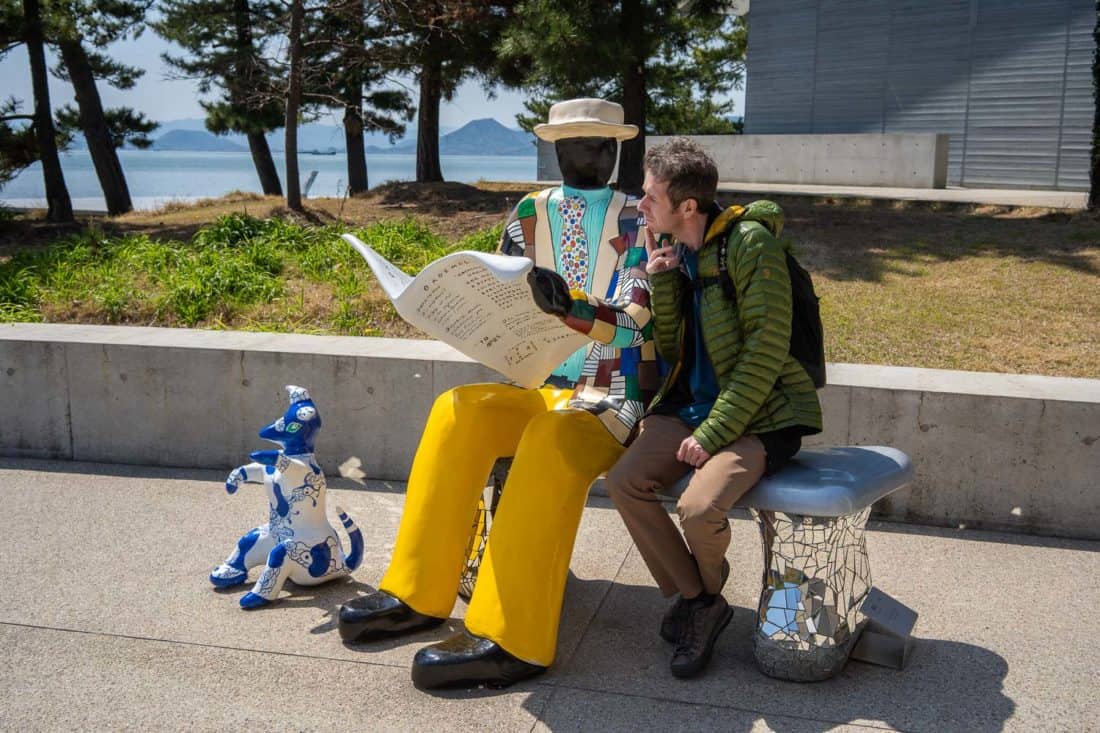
(817, 576)
(816, 599)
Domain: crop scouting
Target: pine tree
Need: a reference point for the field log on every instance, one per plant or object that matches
(444, 43)
(295, 51)
(72, 27)
(353, 46)
(59, 207)
(227, 44)
(670, 68)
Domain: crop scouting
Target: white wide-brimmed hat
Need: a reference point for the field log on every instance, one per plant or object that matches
(586, 118)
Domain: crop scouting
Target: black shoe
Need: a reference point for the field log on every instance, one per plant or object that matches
(466, 660)
(700, 631)
(673, 621)
(380, 615)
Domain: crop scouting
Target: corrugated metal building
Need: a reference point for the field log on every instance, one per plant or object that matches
(1009, 80)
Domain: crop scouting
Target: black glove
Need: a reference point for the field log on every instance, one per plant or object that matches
(550, 291)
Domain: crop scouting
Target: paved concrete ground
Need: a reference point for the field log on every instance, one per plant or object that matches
(995, 196)
(107, 622)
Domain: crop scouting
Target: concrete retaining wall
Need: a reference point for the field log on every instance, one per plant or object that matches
(905, 160)
(996, 451)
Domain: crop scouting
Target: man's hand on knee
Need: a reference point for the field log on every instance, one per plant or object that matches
(691, 453)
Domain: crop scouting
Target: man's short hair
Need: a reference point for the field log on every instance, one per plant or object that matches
(687, 169)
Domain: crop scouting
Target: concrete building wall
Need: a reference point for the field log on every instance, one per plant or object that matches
(904, 160)
(996, 451)
(1009, 81)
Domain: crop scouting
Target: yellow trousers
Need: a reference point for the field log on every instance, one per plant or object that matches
(558, 452)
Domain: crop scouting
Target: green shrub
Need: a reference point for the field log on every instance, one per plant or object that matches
(153, 257)
(328, 256)
(210, 281)
(16, 313)
(264, 255)
(18, 284)
(408, 243)
(232, 263)
(487, 240)
(291, 237)
(231, 230)
(114, 299)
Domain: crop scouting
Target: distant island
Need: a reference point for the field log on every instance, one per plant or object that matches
(197, 141)
(478, 137)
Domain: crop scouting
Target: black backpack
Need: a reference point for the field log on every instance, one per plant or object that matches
(807, 335)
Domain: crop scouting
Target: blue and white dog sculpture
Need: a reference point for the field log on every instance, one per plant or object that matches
(297, 543)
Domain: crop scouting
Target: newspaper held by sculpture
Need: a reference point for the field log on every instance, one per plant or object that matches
(481, 305)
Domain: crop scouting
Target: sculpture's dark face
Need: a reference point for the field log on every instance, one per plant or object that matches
(586, 162)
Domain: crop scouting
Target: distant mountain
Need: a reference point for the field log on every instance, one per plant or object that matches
(487, 137)
(196, 140)
(312, 136)
(479, 137)
(194, 124)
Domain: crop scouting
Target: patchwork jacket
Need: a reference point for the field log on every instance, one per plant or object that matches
(620, 374)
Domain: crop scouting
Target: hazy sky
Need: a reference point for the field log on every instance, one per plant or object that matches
(162, 98)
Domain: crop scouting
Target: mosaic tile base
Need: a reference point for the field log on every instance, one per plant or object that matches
(816, 575)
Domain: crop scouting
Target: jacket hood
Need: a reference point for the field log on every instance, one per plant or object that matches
(767, 213)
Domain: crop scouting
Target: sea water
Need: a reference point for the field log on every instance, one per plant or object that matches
(156, 177)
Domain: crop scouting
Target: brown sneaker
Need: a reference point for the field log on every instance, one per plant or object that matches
(673, 620)
(700, 631)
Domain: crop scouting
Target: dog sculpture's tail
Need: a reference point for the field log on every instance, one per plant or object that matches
(356, 555)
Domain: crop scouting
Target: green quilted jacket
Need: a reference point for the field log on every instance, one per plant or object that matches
(763, 387)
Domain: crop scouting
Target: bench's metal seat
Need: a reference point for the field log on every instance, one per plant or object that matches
(826, 482)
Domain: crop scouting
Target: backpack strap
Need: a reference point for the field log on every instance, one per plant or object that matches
(723, 269)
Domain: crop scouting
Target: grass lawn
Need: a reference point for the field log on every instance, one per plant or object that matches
(913, 284)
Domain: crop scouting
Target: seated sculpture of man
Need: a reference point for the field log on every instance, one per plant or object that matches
(562, 436)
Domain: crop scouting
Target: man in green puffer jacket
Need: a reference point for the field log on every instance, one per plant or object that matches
(734, 405)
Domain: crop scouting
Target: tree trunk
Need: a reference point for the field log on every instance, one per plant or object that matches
(293, 100)
(427, 126)
(632, 152)
(265, 164)
(1094, 173)
(353, 143)
(244, 71)
(353, 105)
(112, 180)
(59, 207)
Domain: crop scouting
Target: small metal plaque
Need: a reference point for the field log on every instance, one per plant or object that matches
(886, 639)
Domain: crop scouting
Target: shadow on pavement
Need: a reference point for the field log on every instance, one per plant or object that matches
(327, 597)
(619, 676)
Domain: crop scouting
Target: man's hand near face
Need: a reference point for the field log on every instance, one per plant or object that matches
(659, 259)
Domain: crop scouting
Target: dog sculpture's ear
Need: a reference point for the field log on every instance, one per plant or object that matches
(296, 394)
